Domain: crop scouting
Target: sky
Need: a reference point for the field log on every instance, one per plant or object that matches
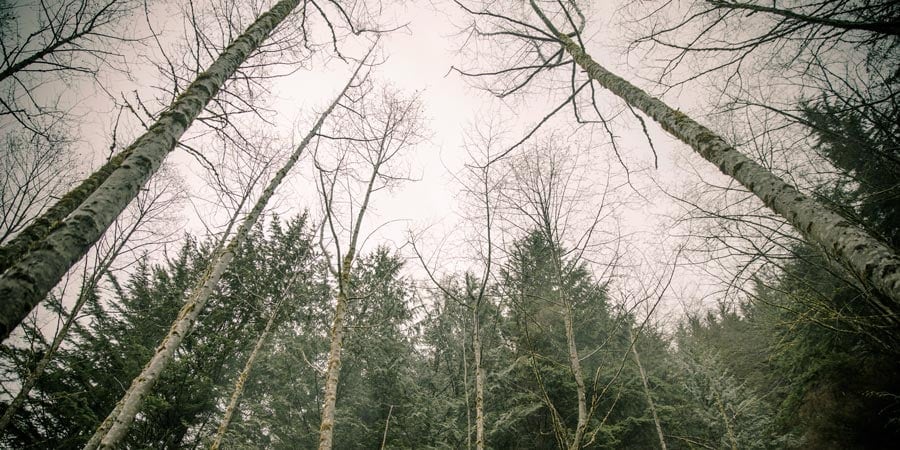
(418, 58)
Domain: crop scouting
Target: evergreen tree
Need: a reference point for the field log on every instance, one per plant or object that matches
(120, 333)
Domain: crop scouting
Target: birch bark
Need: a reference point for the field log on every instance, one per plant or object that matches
(479, 380)
(863, 255)
(116, 425)
(382, 130)
(16, 248)
(245, 374)
(326, 428)
(88, 284)
(27, 282)
(650, 404)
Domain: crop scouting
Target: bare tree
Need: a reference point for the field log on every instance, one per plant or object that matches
(32, 172)
(248, 366)
(130, 234)
(550, 46)
(26, 282)
(374, 132)
(116, 425)
(786, 75)
(802, 37)
(548, 196)
(56, 40)
(481, 188)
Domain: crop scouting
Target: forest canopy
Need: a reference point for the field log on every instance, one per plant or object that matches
(450, 224)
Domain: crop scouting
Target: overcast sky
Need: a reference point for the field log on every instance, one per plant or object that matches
(418, 58)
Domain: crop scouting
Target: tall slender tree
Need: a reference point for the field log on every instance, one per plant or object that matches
(552, 46)
(375, 132)
(481, 186)
(113, 429)
(27, 281)
(248, 366)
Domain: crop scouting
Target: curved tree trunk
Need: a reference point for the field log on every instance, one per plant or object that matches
(244, 375)
(863, 255)
(116, 425)
(650, 404)
(27, 282)
(479, 381)
(18, 246)
(575, 366)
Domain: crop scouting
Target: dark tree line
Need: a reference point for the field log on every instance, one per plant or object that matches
(294, 334)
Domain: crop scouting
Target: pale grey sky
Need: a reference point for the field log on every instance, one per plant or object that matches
(418, 59)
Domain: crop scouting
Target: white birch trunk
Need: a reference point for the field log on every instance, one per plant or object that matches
(114, 428)
(863, 255)
(575, 366)
(326, 427)
(28, 281)
(479, 382)
(572, 348)
(242, 378)
(465, 361)
(650, 404)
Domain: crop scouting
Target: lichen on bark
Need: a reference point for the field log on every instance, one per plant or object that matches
(27, 281)
(870, 260)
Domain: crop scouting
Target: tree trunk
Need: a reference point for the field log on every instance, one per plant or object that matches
(18, 246)
(61, 334)
(29, 280)
(344, 273)
(863, 255)
(326, 429)
(479, 382)
(465, 363)
(575, 366)
(113, 429)
(386, 423)
(88, 284)
(637, 360)
(245, 373)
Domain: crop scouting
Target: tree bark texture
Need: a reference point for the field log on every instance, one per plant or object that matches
(479, 381)
(114, 428)
(575, 366)
(18, 246)
(863, 255)
(650, 404)
(88, 284)
(326, 429)
(29, 280)
(242, 378)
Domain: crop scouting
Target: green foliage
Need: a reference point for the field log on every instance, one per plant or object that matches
(811, 358)
(120, 331)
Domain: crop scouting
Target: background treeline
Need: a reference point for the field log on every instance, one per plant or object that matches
(800, 364)
(556, 336)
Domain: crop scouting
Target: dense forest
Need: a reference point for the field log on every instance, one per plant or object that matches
(635, 225)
